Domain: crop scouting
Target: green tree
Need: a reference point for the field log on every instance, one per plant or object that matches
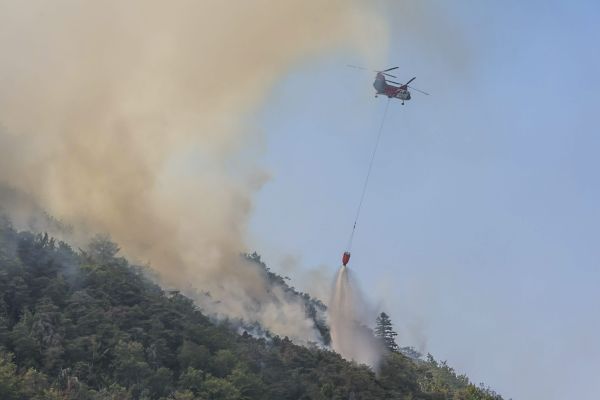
(223, 363)
(33, 383)
(9, 381)
(47, 329)
(26, 348)
(248, 384)
(4, 330)
(219, 389)
(398, 374)
(385, 331)
(184, 395)
(130, 366)
(102, 250)
(113, 392)
(193, 355)
(160, 382)
(191, 380)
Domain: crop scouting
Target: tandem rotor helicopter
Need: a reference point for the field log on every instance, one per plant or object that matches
(383, 87)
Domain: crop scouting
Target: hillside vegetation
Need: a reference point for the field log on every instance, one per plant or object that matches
(86, 324)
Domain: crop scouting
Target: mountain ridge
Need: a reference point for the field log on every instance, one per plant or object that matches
(89, 325)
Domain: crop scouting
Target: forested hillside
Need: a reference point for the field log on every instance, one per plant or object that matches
(85, 324)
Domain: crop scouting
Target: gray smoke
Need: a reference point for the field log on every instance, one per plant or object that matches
(131, 118)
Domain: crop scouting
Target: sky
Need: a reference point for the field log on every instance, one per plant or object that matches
(479, 231)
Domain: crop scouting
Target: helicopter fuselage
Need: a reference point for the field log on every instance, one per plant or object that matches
(384, 88)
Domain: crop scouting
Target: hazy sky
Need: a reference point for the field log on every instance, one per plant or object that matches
(480, 231)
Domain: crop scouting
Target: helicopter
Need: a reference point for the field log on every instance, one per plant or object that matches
(382, 85)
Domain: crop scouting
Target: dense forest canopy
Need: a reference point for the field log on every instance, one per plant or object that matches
(86, 324)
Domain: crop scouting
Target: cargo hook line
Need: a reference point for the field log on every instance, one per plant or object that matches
(346, 256)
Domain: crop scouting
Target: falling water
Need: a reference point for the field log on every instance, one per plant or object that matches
(349, 318)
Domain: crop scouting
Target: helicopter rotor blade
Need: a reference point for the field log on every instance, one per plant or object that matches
(367, 69)
(420, 91)
(396, 83)
(357, 67)
(411, 80)
(379, 72)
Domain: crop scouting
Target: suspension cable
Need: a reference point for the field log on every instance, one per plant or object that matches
(366, 183)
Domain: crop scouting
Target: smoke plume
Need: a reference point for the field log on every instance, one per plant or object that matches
(133, 118)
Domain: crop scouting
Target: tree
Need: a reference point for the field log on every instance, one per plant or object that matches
(33, 383)
(191, 380)
(248, 384)
(193, 355)
(25, 347)
(184, 395)
(161, 382)
(113, 392)
(219, 389)
(385, 332)
(223, 363)
(9, 382)
(4, 330)
(102, 250)
(129, 364)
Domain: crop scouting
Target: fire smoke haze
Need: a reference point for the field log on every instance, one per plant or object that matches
(132, 118)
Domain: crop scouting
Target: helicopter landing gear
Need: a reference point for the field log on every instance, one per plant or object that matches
(402, 103)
